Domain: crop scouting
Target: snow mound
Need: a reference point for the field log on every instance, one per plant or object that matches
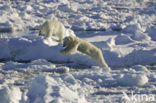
(61, 69)
(69, 32)
(10, 95)
(49, 42)
(132, 28)
(45, 89)
(136, 32)
(139, 68)
(36, 65)
(32, 47)
(140, 36)
(5, 27)
(133, 80)
(123, 39)
(70, 79)
(151, 32)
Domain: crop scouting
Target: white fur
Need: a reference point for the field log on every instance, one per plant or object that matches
(51, 27)
(72, 44)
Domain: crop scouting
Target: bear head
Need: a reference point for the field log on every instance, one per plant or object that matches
(68, 41)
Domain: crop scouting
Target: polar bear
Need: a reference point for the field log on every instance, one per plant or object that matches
(51, 27)
(73, 43)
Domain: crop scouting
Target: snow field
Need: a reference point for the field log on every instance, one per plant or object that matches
(79, 86)
(33, 70)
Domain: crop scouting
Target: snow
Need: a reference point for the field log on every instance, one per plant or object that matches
(140, 68)
(10, 95)
(33, 71)
(51, 90)
(133, 80)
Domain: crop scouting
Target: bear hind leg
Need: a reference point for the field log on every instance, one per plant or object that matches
(100, 59)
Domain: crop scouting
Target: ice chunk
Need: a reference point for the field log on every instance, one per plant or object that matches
(133, 80)
(139, 68)
(10, 95)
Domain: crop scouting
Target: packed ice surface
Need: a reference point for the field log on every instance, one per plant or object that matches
(43, 82)
(33, 71)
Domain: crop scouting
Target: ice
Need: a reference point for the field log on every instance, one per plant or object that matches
(139, 36)
(133, 80)
(136, 32)
(123, 39)
(4, 47)
(46, 89)
(140, 68)
(49, 42)
(10, 94)
(33, 71)
(150, 30)
(70, 79)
